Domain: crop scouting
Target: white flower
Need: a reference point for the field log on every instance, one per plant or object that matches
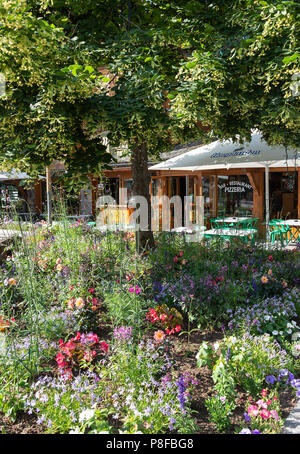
(216, 345)
(85, 415)
(75, 431)
(275, 333)
(295, 336)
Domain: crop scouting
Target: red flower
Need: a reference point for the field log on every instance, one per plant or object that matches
(104, 346)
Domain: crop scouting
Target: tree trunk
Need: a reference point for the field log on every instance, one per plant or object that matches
(141, 183)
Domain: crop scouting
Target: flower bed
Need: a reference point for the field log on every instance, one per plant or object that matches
(99, 339)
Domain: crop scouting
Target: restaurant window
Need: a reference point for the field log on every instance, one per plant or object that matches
(235, 195)
(208, 191)
(9, 196)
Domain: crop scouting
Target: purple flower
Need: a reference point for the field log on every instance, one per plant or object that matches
(123, 333)
(270, 379)
(247, 417)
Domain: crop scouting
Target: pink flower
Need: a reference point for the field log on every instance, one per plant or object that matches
(180, 253)
(135, 289)
(70, 304)
(264, 392)
(274, 414)
(265, 414)
(262, 404)
(252, 410)
(175, 259)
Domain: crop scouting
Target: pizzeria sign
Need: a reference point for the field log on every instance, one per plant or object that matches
(235, 186)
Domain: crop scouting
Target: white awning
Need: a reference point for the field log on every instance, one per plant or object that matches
(13, 176)
(226, 154)
(6, 176)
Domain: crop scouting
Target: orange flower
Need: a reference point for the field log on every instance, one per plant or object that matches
(79, 303)
(159, 336)
(264, 280)
(12, 282)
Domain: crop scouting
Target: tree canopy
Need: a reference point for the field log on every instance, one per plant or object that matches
(227, 65)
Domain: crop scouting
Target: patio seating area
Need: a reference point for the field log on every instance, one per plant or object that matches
(280, 232)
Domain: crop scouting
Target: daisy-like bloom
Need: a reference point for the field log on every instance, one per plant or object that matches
(264, 280)
(59, 267)
(159, 336)
(79, 303)
(12, 282)
(270, 272)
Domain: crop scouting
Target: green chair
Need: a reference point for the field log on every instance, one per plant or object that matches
(278, 231)
(216, 223)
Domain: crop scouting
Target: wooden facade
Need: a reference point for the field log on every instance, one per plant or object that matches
(169, 182)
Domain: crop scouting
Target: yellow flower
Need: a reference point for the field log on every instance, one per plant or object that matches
(269, 272)
(59, 267)
(264, 280)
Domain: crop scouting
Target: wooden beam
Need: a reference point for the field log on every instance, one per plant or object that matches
(38, 197)
(299, 194)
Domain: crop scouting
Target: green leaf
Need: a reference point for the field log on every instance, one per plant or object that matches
(290, 59)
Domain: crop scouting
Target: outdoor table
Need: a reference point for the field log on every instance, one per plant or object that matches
(232, 220)
(294, 225)
(226, 233)
(189, 231)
